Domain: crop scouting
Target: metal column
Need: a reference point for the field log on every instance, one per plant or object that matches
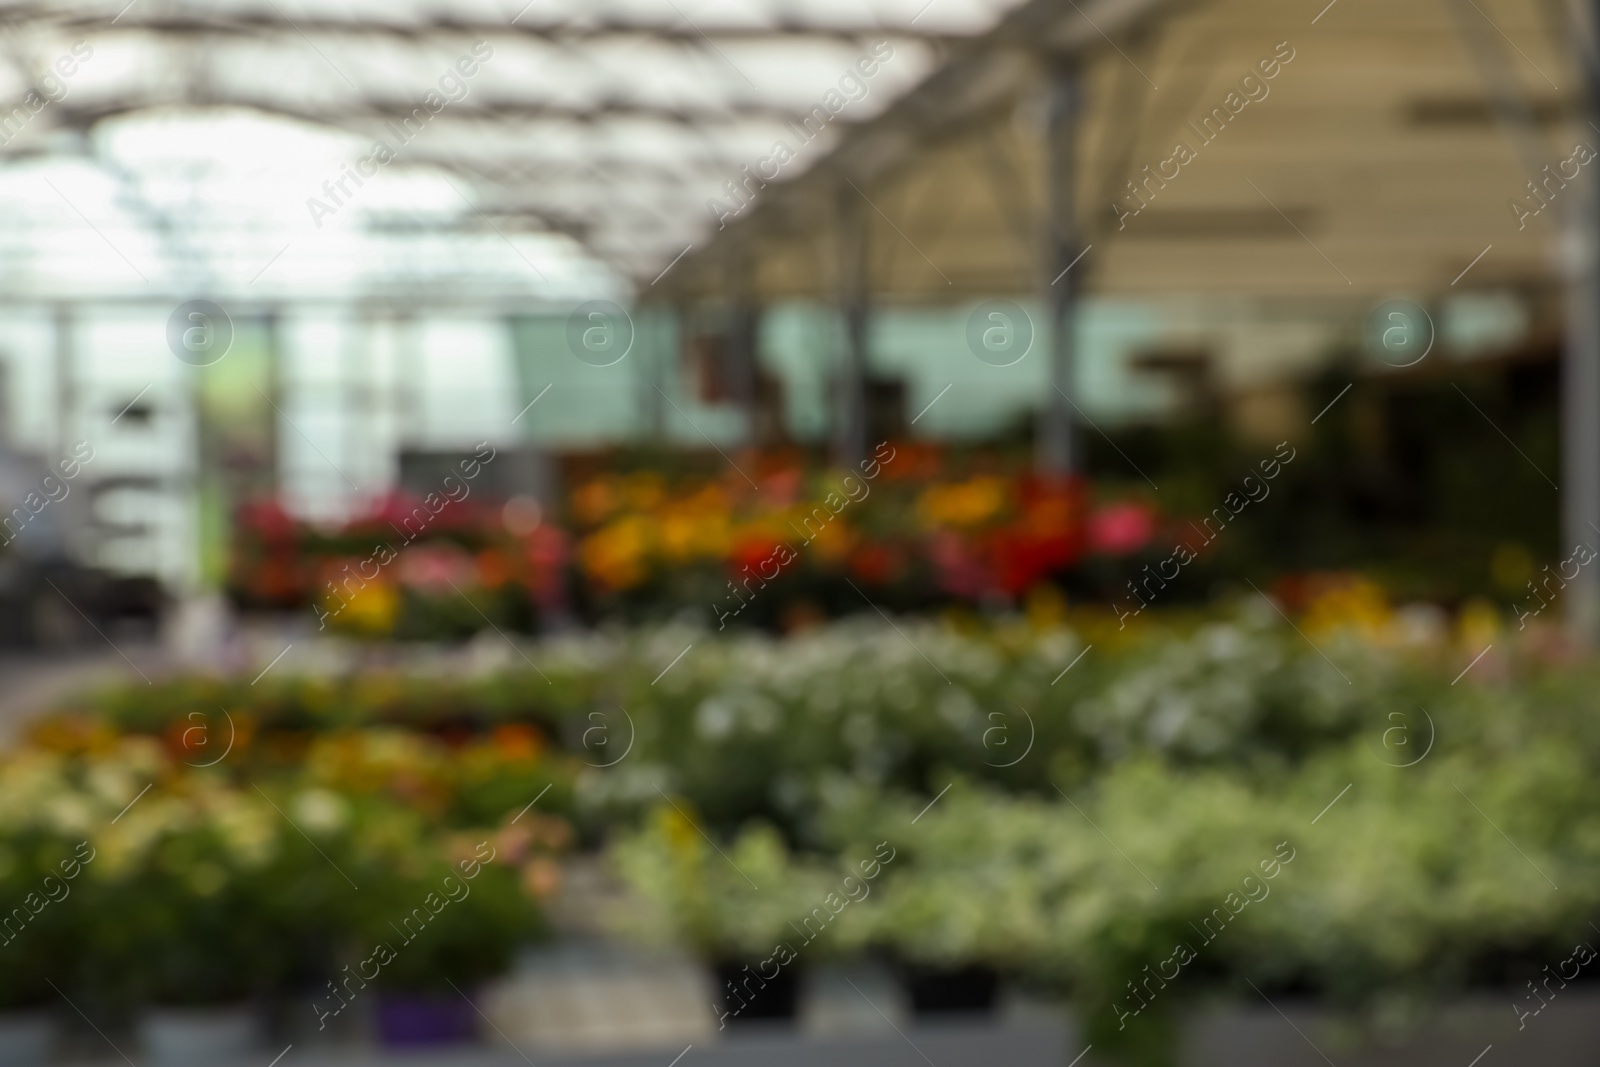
(743, 326)
(1580, 365)
(85, 543)
(412, 362)
(1056, 448)
(850, 413)
(667, 358)
(356, 398)
(272, 330)
(65, 357)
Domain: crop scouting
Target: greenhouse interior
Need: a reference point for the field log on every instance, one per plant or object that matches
(403, 404)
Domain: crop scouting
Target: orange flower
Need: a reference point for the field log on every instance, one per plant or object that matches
(518, 741)
(494, 569)
(594, 501)
(833, 542)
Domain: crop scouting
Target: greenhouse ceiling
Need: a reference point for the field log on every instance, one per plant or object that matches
(1280, 148)
(297, 149)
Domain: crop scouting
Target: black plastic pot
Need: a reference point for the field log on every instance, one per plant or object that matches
(758, 999)
(973, 989)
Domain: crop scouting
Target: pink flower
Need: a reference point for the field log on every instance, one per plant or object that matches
(434, 567)
(961, 573)
(1120, 529)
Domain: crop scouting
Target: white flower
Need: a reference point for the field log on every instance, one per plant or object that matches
(714, 719)
(320, 810)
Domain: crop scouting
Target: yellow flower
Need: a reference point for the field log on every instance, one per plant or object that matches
(1477, 624)
(404, 765)
(1511, 566)
(643, 490)
(1353, 603)
(680, 831)
(680, 535)
(248, 829)
(374, 609)
(615, 555)
(970, 503)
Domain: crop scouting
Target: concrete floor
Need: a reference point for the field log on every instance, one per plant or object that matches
(33, 682)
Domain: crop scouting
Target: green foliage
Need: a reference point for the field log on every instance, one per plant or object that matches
(442, 926)
(193, 889)
(1180, 756)
(38, 938)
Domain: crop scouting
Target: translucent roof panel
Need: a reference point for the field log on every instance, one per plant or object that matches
(287, 149)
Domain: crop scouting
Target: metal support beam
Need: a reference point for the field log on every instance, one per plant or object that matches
(1056, 449)
(1580, 363)
(743, 324)
(667, 360)
(850, 410)
(277, 374)
(411, 360)
(65, 358)
(356, 402)
(82, 544)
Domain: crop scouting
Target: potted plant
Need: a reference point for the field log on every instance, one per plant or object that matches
(200, 951)
(37, 876)
(438, 919)
(747, 910)
(192, 914)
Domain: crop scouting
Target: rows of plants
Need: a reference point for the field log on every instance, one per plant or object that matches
(1401, 896)
(1385, 798)
(135, 880)
(777, 537)
(1066, 806)
(748, 724)
(778, 542)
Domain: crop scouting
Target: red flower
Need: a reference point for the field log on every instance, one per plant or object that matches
(877, 564)
(1047, 538)
(758, 555)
